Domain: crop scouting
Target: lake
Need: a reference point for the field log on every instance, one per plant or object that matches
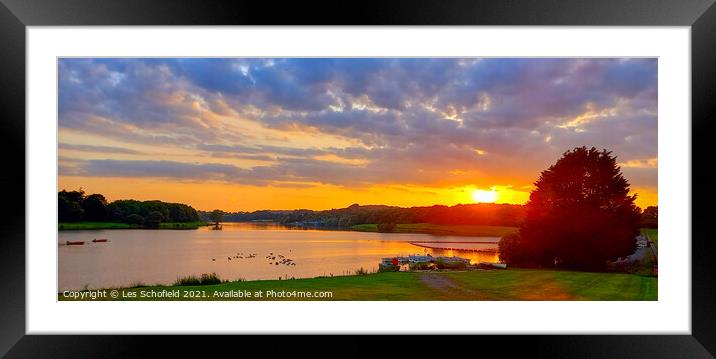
(161, 256)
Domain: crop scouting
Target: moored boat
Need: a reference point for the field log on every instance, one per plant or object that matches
(100, 240)
(75, 243)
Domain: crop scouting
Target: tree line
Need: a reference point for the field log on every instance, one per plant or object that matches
(387, 216)
(509, 215)
(74, 206)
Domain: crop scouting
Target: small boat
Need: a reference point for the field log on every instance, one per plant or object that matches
(75, 243)
(100, 240)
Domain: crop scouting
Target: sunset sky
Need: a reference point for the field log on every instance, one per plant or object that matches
(248, 134)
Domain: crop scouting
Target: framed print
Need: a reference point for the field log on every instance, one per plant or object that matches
(387, 179)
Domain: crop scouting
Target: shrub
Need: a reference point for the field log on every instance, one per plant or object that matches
(386, 227)
(512, 250)
(205, 279)
(387, 268)
(188, 280)
(451, 265)
(422, 266)
(361, 271)
(209, 279)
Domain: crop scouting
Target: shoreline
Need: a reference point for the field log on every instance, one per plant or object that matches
(87, 225)
(461, 230)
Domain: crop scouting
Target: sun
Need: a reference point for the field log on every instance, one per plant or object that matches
(483, 196)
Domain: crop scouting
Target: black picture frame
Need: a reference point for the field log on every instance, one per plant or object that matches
(700, 15)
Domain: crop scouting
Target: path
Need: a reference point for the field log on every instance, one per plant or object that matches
(448, 287)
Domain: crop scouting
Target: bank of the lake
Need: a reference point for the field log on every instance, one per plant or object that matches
(415, 228)
(511, 284)
(467, 230)
(67, 226)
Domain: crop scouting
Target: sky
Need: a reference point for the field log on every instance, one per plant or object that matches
(242, 134)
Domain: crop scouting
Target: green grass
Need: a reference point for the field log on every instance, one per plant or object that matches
(442, 230)
(117, 225)
(95, 225)
(533, 284)
(511, 284)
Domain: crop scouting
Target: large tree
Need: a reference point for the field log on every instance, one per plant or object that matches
(579, 216)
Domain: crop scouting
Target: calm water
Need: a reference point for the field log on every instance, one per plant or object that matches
(160, 256)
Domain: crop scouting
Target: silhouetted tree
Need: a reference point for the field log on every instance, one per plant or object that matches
(153, 219)
(135, 219)
(69, 205)
(579, 216)
(217, 216)
(95, 207)
(650, 217)
(68, 211)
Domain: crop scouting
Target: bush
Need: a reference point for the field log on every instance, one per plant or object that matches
(387, 268)
(209, 279)
(512, 251)
(188, 280)
(361, 271)
(205, 279)
(422, 266)
(451, 265)
(386, 227)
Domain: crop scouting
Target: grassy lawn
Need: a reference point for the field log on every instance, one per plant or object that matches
(512, 284)
(442, 230)
(532, 284)
(118, 225)
(95, 225)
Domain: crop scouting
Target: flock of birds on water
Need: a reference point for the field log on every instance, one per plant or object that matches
(272, 258)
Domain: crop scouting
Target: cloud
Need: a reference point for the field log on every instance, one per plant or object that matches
(98, 149)
(406, 120)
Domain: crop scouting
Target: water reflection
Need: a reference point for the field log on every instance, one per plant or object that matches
(160, 256)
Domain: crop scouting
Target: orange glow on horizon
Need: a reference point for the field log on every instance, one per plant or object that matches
(315, 196)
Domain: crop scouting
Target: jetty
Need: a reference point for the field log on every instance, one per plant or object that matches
(431, 245)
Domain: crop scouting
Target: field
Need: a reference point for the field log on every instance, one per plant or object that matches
(118, 225)
(512, 284)
(442, 230)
